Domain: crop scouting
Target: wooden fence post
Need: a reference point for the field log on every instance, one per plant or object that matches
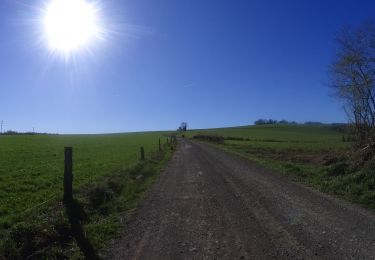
(72, 208)
(68, 175)
(142, 153)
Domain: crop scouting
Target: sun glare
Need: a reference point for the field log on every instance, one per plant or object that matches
(70, 24)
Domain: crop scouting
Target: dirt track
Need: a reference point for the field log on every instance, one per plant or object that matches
(212, 205)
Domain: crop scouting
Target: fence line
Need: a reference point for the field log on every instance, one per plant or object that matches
(68, 199)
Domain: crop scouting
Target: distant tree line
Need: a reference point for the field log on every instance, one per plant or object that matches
(11, 132)
(272, 122)
(313, 123)
(262, 121)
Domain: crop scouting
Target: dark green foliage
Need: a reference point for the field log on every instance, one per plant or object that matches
(35, 240)
(337, 169)
(210, 138)
(236, 138)
(21, 241)
(358, 186)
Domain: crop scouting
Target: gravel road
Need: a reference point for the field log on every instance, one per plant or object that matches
(209, 204)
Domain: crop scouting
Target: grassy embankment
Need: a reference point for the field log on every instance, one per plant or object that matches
(313, 154)
(109, 180)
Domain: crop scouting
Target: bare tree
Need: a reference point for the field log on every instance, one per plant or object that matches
(353, 79)
(183, 127)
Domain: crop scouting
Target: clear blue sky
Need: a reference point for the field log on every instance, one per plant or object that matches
(210, 63)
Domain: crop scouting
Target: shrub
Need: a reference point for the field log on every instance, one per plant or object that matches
(210, 138)
(337, 169)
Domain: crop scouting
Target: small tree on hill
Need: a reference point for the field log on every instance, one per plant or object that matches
(183, 127)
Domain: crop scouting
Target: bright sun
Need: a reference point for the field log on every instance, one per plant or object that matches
(70, 24)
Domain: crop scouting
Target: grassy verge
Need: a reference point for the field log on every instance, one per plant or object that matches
(104, 203)
(31, 167)
(313, 155)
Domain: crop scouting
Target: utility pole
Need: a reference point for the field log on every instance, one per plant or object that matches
(1, 131)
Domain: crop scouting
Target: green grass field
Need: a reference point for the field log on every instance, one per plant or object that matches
(31, 172)
(313, 154)
(312, 137)
(109, 179)
(309, 144)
